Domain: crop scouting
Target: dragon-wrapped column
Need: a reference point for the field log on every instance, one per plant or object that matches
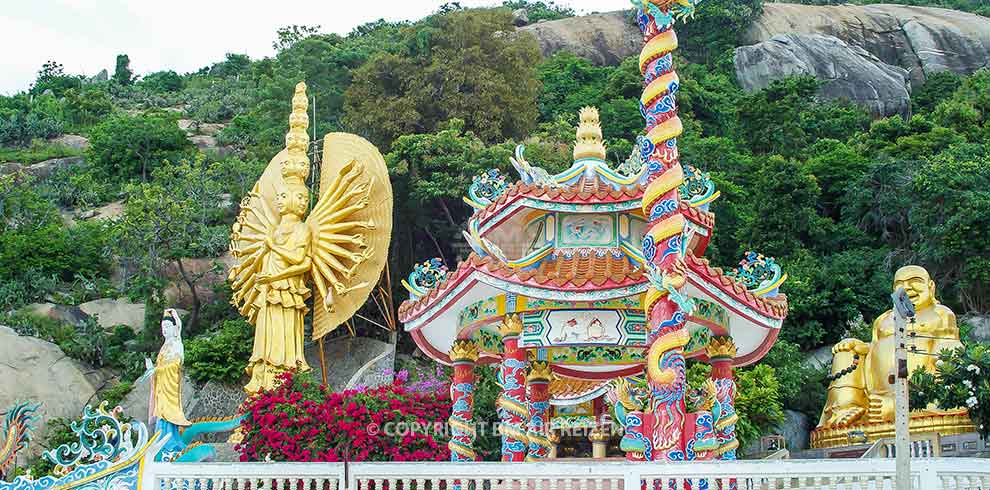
(721, 351)
(538, 402)
(663, 243)
(463, 356)
(512, 409)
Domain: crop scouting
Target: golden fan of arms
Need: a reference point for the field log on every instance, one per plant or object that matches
(340, 248)
(350, 225)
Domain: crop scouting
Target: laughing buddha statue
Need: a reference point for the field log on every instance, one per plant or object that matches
(859, 392)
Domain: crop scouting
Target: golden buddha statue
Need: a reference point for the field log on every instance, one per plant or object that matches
(860, 392)
(339, 248)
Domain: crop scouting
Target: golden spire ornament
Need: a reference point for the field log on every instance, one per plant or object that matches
(588, 137)
(340, 248)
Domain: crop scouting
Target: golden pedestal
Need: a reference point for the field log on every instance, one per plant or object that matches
(944, 423)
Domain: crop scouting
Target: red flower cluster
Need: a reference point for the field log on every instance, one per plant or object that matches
(303, 421)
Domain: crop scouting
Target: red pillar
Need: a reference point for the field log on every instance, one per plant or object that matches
(721, 352)
(463, 355)
(538, 402)
(512, 408)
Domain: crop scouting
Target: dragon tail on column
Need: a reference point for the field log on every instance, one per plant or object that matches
(658, 429)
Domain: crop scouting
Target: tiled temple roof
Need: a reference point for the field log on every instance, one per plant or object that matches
(774, 307)
(578, 270)
(585, 191)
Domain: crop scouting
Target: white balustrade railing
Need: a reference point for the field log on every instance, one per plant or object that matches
(834, 474)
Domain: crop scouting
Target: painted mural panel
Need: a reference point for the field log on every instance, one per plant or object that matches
(583, 327)
(586, 230)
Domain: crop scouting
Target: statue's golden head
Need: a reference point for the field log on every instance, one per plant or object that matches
(918, 285)
(292, 199)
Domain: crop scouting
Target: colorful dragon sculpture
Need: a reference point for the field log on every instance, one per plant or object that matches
(16, 433)
(654, 413)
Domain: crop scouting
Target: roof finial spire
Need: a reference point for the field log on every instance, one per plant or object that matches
(588, 143)
(295, 169)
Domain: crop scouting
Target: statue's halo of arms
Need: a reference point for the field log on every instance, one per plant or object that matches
(351, 229)
(256, 220)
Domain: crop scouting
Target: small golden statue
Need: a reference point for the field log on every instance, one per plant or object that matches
(860, 392)
(340, 247)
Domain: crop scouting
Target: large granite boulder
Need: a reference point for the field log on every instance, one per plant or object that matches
(979, 327)
(43, 170)
(35, 370)
(112, 312)
(921, 40)
(795, 428)
(73, 141)
(353, 361)
(60, 313)
(605, 39)
(848, 72)
(818, 358)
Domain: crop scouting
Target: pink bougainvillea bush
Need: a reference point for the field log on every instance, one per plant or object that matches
(303, 421)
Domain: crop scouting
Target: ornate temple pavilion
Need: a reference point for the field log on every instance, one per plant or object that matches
(555, 281)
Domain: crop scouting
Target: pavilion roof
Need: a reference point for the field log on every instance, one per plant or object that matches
(578, 269)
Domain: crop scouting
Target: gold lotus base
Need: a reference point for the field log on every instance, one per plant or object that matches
(943, 423)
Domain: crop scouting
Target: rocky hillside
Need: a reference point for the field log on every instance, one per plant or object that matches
(872, 55)
(605, 39)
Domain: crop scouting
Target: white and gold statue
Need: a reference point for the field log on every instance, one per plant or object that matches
(165, 406)
(340, 248)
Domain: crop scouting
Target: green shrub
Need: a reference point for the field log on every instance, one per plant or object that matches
(757, 399)
(115, 394)
(220, 355)
(38, 151)
(80, 186)
(802, 388)
(125, 147)
(19, 129)
(88, 105)
(162, 81)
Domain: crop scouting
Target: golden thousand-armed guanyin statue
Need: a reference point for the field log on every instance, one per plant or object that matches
(340, 248)
(860, 393)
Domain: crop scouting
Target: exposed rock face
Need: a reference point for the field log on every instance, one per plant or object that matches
(102, 76)
(35, 370)
(883, 44)
(605, 39)
(848, 72)
(204, 143)
(112, 312)
(62, 313)
(187, 125)
(921, 40)
(43, 170)
(795, 429)
(72, 141)
(40, 170)
(210, 129)
(818, 358)
(520, 17)
(352, 361)
(107, 211)
(980, 325)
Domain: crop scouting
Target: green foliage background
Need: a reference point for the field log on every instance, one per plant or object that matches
(839, 198)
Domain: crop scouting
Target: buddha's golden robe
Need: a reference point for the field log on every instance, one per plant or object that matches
(281, 306)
